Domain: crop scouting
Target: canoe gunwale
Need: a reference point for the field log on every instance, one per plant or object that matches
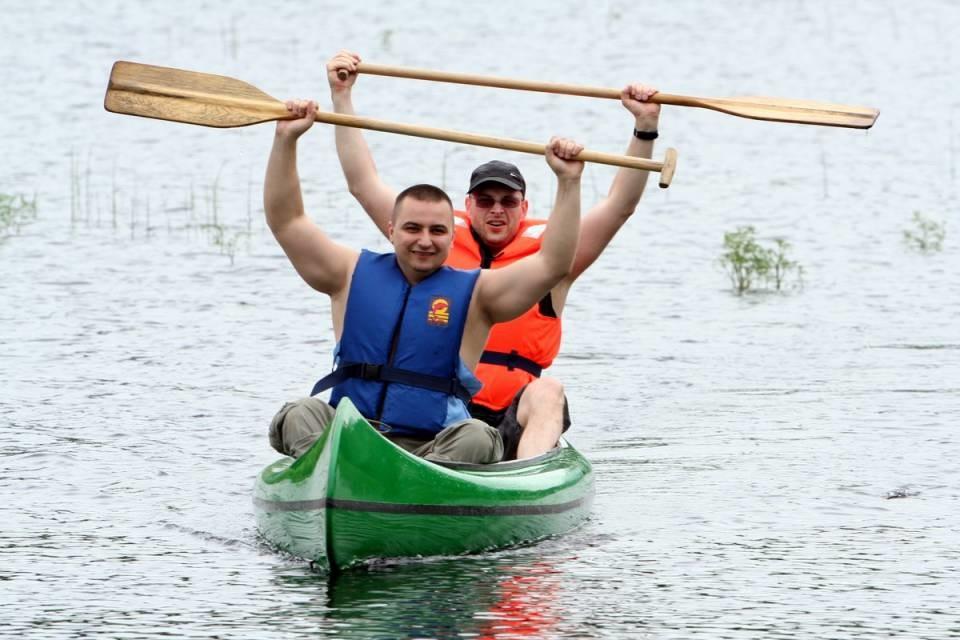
(507, 465)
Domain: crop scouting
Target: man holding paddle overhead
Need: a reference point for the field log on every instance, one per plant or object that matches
(410, 330)
(529, 410)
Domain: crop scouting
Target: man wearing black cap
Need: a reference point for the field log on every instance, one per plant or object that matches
(530, 410)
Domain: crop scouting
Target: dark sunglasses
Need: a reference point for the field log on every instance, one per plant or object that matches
(487, 202)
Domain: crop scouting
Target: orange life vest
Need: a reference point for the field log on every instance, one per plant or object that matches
(516, 350)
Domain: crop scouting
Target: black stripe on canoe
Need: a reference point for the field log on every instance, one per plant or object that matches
(271, 506)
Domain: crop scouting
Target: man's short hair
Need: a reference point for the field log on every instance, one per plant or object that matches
(422, 193)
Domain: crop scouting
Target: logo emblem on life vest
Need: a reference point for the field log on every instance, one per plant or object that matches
(439, 314)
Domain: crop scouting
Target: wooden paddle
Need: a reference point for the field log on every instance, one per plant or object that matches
(218, 101)
(772, 109)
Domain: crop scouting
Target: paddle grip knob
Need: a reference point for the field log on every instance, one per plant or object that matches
(669, 167)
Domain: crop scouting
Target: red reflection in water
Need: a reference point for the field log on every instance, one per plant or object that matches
(525, 607)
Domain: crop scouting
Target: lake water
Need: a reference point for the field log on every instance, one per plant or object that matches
(768, 466)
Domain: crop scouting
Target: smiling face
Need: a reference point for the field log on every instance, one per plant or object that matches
(421, 233)
(495, 213)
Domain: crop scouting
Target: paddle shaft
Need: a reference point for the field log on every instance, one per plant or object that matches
(513, 83)
(771, 109)
(507, 144)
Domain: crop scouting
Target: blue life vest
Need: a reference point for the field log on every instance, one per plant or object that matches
(399, 355)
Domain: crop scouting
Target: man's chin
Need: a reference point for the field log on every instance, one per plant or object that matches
(424, 266)
(495, 239)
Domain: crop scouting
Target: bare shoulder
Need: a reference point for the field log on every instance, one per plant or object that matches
(324, 264)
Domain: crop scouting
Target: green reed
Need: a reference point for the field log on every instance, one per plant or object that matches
(132, 206)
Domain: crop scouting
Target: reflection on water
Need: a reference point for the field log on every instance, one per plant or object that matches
(460, 597)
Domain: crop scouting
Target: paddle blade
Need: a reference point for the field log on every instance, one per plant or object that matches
(798, 111)
(188, 96)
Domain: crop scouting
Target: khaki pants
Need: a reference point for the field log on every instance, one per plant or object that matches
(298, 425)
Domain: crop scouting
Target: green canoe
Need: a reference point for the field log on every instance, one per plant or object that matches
(355, 496)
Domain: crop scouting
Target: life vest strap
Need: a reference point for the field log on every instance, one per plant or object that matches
(511, 361)
(384, 373)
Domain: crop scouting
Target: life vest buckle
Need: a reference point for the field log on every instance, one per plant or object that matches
(513, 359)
(370, 371)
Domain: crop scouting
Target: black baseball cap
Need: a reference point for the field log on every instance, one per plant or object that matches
(500, 172)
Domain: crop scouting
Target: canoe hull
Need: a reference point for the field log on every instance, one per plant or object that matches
(356, 496)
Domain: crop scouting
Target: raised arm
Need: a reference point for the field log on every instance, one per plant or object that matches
(322, 263)
(504, 294)
(605, 218)
(374, 195)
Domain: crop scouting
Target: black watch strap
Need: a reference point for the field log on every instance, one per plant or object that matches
(645, 135)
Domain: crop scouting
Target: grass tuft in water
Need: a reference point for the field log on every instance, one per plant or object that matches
(751, 266)
(15, 211)
(226, 239)
(385, 39)
(926, 235)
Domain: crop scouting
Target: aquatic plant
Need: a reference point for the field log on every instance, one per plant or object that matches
(225, 238)
(228, 38)
(15, 211)
(780, 265)
(744, 259)
(385, 37)
(748, 263)
(203, 209)
(221, 234)
(926, 236)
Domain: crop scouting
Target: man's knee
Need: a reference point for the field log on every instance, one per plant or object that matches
(545, 388)
(544, 396)
(470, 441)
(298, 425)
